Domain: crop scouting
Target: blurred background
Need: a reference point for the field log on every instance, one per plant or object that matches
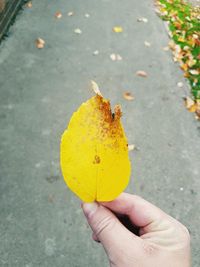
(47, 59)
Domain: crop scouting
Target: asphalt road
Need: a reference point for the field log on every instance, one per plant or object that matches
(41, 222)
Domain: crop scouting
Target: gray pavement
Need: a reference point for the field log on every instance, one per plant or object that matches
(41, 222)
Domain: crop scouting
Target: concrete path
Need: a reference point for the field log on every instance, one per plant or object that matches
(41, 223)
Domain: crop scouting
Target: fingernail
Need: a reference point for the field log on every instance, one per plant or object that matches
(89, 208)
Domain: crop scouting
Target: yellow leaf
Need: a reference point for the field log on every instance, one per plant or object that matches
(94, 152)
(181, 39)
(118, 29)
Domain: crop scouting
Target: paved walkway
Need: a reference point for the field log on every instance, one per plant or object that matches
(41, 223)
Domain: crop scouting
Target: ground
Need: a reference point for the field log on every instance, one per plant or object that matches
(41, 222)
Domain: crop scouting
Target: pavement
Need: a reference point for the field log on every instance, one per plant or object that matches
(41, 222)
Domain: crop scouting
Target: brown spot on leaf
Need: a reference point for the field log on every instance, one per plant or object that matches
(97, 159)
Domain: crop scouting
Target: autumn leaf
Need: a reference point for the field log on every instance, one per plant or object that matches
(58, 15)
(115, 57)
(94, 152)
(182, 24)
(95, 88)
(118, 29)
(128, 96)
(180, 84)
(78, 31)
(71, 13)
(40, 43)
(96, 52)
(147, 44)
(29, 4)
(131, 147)
(190, 104)
(141, 73)
(145, 20)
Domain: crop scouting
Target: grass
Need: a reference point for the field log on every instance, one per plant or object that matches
(184, 28)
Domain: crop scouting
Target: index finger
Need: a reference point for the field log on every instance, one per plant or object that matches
(140, 212)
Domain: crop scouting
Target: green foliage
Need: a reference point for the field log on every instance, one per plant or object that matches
(184, 25)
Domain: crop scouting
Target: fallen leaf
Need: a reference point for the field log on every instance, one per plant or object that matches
(128, 96)
(172, 44)
(166, 48)
(180, 84)
(119, 58)
(115, 57)
(95, 88)
(58, 15)
(145, 20)
(194, 72)
(184, 67)
(147, 44)
(117, 29)
(190, 104)
(94, 154)
(141, 73)
(96, 52)
(40, 43)
(198, 113)
(131, 147)
(29, 4)
(71, 13)
(78, 31)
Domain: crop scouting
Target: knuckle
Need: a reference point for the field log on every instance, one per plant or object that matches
(105, 224)
(149, 249)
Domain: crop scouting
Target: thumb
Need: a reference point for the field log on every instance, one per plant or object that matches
(107, 228)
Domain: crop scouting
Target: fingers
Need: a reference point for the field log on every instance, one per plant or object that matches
(141, 212)
(107, 228)
(95, 238)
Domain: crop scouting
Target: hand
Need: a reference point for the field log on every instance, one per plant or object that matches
(162, 241)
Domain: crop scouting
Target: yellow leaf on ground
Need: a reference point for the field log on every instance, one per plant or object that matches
(117, 29)
(94, 152)
(190, 104)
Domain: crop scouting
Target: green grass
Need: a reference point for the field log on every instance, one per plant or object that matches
(184, 27)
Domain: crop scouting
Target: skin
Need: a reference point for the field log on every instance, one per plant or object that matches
(162, 240)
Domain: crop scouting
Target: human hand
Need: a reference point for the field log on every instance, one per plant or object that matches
(162, 240)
